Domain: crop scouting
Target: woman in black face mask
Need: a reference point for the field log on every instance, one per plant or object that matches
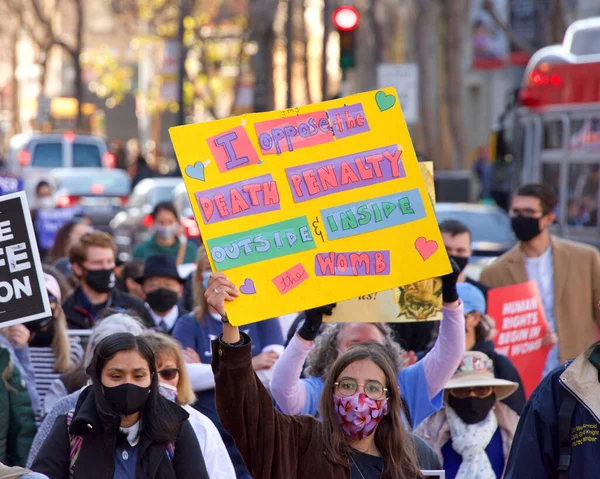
(121, 426)
(473, 433)
(45, 345)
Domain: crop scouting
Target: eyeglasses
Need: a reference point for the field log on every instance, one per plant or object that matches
(169, 374)
(478, 391)
(348, 387)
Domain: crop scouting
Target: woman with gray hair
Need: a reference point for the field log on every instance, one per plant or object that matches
(116, 323)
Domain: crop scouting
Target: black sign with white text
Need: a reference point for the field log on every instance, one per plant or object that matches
(23, 295)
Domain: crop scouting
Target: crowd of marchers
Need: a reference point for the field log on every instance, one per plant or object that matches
(137, 373)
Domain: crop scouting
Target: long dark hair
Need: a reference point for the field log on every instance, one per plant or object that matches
(159, 421)
(391, 439)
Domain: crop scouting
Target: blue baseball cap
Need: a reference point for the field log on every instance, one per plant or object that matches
(471, 297)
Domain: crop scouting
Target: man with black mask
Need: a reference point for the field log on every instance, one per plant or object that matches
(567, 274)
(163, 288)
(93, 261)
(457, 241)
(473, 432)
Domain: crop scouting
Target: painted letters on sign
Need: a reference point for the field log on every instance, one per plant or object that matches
(366, 263)
(260, 244)
(373, 214)
(232, 149)
(248, 197)
(345, 173)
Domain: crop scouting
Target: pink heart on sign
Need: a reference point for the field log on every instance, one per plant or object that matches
(248, 287)
(426, 248)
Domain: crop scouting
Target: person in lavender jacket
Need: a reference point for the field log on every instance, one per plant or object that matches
(421, 384)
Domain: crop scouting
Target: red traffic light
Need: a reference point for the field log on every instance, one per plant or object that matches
(345, 18)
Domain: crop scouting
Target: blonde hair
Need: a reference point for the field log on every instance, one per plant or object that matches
(60, 343)
(163, 345)
(200, 304)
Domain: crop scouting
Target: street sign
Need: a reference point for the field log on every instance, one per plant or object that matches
(405, 78)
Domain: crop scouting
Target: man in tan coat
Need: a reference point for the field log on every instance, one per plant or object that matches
(567, 273)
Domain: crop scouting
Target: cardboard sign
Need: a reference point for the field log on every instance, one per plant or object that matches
(48, 222)
(23, 295)
(421, 301)
(521, 326)
(311, 205)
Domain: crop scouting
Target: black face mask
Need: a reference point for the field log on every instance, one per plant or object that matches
(461, 262)
(127, 398)
(43, 337)
(101, 280)
(162, 300)
(472, 409)
(525, 228)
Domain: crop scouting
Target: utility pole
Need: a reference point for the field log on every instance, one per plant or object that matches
(324, 78)
(289, 32)
(184, 11)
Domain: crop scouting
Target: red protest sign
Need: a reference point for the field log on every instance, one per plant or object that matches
(521, 326)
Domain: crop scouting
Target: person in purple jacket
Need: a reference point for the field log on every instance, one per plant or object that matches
(421, 384)
(196, 330)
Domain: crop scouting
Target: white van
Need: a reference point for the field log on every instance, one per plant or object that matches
(32, 156)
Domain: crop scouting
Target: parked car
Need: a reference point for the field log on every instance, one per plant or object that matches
(490, 227)
(131, 226)
(32, 156)
(99, 193)
(181, 200)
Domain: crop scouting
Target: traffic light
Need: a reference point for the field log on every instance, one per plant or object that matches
(345, 19)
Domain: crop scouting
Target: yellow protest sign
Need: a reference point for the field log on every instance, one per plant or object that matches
(420, 301)
(311, 205)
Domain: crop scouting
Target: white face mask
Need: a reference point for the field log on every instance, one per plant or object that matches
(46, 203)
(166, 232)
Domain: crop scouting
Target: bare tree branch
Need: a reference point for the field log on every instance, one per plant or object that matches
(515, 39)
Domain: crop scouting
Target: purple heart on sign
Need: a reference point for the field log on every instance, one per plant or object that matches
(248, 287)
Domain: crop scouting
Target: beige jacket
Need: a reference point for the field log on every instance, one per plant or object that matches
(581, 378)
(576, 290)
(435, 430)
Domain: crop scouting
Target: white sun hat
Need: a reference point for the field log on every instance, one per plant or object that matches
(477, 369)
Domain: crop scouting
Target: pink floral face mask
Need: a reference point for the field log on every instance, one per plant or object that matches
(359, 415)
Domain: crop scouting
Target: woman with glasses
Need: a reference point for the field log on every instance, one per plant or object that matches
(122, 427)
(473, 433)
(421, 384)
(174, 384)
(361, 435)
(46, 344)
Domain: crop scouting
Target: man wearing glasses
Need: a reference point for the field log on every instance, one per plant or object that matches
(567, 274)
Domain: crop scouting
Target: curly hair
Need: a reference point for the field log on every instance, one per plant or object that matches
(325, 350)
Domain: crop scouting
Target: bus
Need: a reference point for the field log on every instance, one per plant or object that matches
(550, 133)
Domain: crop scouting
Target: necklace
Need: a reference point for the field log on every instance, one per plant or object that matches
(357, 468)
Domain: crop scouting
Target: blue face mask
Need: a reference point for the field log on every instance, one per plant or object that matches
(205, 277)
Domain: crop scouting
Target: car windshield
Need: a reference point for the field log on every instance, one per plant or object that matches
(86, 155)
(489, 225)
(162, 193)
(47, 155)
(96, 185)
(182, 201)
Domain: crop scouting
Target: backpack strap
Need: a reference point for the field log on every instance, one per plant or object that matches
(565, 416)
(75, 443)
